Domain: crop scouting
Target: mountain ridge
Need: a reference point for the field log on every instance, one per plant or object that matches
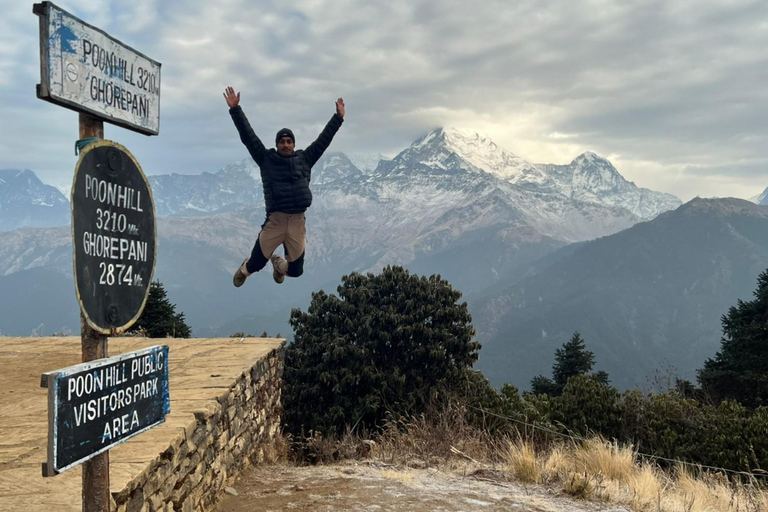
(430, 209)
(652, 294)
(25, 201)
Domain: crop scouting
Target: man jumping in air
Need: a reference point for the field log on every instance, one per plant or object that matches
(285, 173)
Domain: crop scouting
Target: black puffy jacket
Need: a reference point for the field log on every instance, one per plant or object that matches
(285, 178)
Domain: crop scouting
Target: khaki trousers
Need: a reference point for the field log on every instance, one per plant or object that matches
(284, 229)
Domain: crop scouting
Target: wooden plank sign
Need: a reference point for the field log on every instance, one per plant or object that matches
(114, 236)
(85, 69)
(96, 405)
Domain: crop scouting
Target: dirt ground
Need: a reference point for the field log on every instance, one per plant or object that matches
(378, 487)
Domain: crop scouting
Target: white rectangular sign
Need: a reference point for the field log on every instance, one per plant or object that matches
(83, 68)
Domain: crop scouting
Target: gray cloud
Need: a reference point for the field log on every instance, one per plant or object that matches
(673, 91)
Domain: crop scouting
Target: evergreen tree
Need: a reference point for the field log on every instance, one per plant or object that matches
(387, 344)
(601, 377)
(159, 318)
(739, 370)
(541, 385)
(570, 360)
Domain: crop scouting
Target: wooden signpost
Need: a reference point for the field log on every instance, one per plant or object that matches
(114, 243)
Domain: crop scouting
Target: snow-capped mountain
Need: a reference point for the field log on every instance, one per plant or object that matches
(366, 162)
(188, 195)
(448, 191)
(591, 178)
(761, 199)
(452, 203)
(26, 201)
(337, 170)
(456, 150)
(459, 170)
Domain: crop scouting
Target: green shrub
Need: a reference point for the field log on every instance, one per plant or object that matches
(659, 424)
(388, 344)
(588, 406)
(721, 438)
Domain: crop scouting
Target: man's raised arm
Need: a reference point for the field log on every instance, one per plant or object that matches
(247, 136)
(315, 150)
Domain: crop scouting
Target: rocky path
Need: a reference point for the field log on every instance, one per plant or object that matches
(380, 488)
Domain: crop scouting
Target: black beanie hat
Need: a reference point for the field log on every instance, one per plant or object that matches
(284, 132)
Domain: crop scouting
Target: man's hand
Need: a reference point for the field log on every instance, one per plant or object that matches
(233, 99)
(340, 107)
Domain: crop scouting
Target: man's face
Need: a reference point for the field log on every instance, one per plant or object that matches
(285, 146)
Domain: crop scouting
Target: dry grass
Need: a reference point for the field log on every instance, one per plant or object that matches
(609, 460)
(605, 471)
(592, 470)
(275, 452)
(554, 464)
(715, 492)
(522, 461)
(318, 449)
(642, 488)
(579, 485)
(432, 440)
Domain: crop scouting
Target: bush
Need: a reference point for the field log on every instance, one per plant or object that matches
(723, 439)
(588, 406)
(498, 411)
(668, 425)
(389, 343)
(658, 424)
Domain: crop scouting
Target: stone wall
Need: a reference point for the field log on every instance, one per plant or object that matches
(236, 430)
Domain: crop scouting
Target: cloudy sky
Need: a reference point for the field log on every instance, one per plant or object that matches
(673, 92)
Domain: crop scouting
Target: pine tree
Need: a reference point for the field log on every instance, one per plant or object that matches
(541, 385)
(387, 344)
(570, 360)
(739, 371)
(159, 318)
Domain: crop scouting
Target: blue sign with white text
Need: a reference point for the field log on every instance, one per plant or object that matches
(99, 404)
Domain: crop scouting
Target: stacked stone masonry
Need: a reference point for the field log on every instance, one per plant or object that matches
(227, 436)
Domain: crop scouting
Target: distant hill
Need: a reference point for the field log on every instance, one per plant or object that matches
(26, 201)
(42, 302)
(644, 299)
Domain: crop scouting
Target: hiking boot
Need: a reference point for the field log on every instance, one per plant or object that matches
(240, 274)
(280, 268)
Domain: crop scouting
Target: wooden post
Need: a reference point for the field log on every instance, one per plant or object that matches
(94, 346)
